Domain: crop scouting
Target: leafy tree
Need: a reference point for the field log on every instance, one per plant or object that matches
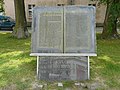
(111, 18)
(20, 30)
(1, 6)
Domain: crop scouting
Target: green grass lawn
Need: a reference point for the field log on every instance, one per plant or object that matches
(106, 66)
(16, 66)
(18, 69)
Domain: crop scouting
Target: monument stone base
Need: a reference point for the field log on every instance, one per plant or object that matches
(63, 68)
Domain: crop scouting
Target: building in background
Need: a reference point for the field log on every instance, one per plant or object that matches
(30, 4)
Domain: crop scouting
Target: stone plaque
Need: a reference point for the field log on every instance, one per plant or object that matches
(79, 29)
(68, 29)
(61, 30)
(48, 30)
(63, 68)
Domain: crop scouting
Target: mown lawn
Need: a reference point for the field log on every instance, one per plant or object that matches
(18, 69)
(16, 66)
(106, 66)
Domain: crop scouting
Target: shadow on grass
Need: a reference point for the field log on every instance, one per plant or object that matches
(7, 42)
(106, 69)
(20, 72)
(106, 66)
(17, 68)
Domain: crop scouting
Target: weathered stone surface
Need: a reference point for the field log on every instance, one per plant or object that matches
(47, 35)
(68, 29)
(50, 32)
(60, 85)
(79, 29)
(63, 68)
(77, 84)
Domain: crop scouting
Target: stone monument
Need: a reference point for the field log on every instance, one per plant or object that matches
(63, 38)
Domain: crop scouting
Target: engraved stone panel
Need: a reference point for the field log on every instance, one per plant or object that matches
(68, 29)
(49, 31)
(63, 68)
(79, 29)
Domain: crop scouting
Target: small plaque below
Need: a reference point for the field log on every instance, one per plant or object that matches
(63, 68)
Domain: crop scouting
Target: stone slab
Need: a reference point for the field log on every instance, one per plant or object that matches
(65, 29)
(63, 68)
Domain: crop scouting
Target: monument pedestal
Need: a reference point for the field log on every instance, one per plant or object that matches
(63, 68)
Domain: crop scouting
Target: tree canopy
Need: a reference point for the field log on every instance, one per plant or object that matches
(1, 6)
(111, 18)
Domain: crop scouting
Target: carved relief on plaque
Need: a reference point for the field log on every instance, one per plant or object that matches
(63, 68)
(79, 28)
(68, 29)
(51, 32)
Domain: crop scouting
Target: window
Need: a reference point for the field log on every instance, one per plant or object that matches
(60, 4)
(92, 5)
(30, 7)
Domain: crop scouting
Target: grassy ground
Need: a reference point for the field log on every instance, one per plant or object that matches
(18, 69)
(16, 66)
(106, 66)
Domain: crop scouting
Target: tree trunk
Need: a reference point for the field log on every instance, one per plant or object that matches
(20, 30)
(110, 25)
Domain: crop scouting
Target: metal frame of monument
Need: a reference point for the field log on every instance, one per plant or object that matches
(38, 10)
